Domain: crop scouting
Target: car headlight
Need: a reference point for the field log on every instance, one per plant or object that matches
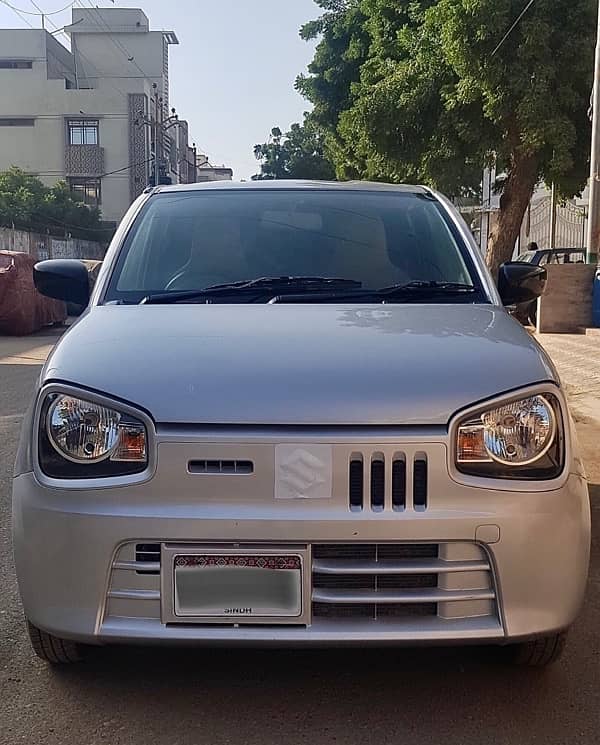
(83, 439)
(521, 439)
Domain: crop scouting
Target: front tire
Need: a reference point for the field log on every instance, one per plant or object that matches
(52, 649)
(539, 652)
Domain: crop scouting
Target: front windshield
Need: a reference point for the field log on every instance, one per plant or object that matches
(191, 240)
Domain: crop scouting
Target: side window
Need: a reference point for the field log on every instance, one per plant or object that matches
(544, 259)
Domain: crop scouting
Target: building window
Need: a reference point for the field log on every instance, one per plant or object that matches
(83, 131)
(17, 122)
(87, 190)
(16, 64)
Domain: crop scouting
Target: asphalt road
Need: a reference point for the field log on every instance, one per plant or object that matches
(198, 697)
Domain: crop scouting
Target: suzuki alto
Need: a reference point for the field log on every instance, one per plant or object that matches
(298, 413)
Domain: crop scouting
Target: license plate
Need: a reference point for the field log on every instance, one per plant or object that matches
(239, 587)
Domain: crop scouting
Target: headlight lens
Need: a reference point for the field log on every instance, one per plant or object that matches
(520, 439)
(81, 430)
(83, 439)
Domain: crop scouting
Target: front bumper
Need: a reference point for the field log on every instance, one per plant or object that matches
(75, 554)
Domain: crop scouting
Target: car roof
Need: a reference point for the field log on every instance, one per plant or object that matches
(296, 185)
(559, 250)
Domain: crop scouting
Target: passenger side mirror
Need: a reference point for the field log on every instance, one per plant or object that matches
(63, 279)
(520, 282)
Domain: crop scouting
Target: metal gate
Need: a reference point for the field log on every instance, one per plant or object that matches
(570, 225)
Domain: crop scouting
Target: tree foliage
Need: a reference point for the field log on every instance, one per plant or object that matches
(299, 154)
(26, 203)
(420, 96)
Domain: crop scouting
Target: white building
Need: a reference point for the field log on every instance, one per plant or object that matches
(83, 115)
(205, 171)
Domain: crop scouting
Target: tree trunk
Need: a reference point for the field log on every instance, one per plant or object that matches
(518, 190)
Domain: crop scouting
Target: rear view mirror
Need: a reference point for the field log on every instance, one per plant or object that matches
(520, 282)
(63, 279)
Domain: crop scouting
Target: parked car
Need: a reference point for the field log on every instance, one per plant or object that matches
(292, 414)
(526, 313)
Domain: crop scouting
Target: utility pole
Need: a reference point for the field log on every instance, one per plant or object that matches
(159, 126)
(553, 210)
(157, 135)
(593, 237)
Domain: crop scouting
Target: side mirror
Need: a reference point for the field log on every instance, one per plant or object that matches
(520, 282)
(63, 279)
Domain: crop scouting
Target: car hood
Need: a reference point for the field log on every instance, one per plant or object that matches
(299, 364)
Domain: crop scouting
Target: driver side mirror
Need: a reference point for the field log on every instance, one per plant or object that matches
(63, 279)
(520, 282)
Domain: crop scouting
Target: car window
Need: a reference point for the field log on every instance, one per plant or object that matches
(188, 241)
(526, 257)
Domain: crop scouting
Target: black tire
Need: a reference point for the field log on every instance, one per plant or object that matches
(52, 649)
(539, 652)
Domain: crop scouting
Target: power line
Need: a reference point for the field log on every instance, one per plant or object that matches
(17, 12)
(41, 12)
(117, 43)
(126, 168)
(514, 26)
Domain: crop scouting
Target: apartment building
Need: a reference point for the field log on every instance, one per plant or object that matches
(205, 171)
(85, 115)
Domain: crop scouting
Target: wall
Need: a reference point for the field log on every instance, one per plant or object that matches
(48, 247)
(566, 307)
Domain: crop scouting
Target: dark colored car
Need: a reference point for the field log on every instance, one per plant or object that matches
(526, 313)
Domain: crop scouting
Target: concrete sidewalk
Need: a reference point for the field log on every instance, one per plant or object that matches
(577, 358)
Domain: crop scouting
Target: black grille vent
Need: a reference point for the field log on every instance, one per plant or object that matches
(376, 552)
(373, 471)
(355, 477)
(420, 483)
(147, 553)
(373, 611)
(374, 581)
(399, 484)
(377, 483)
(235, 467)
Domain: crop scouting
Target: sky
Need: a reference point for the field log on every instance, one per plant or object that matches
(232, 75)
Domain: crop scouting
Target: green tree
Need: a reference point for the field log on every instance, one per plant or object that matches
(26, 203)
(299, 154)
(432, 101)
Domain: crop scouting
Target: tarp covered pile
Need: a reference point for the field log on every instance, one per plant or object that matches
(23, 309)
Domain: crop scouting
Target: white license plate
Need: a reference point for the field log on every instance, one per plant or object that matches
(239, 587)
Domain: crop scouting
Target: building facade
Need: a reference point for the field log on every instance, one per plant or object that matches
(89, 115)
(205, 171)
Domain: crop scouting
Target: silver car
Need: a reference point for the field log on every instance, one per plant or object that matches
(298, 414)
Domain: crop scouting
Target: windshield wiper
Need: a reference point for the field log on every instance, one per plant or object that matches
(255, 286)
(406, 291)
(429, 286)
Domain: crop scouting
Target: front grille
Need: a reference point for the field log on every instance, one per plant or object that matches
(377, 482)
(385, 584)
(391, 580)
